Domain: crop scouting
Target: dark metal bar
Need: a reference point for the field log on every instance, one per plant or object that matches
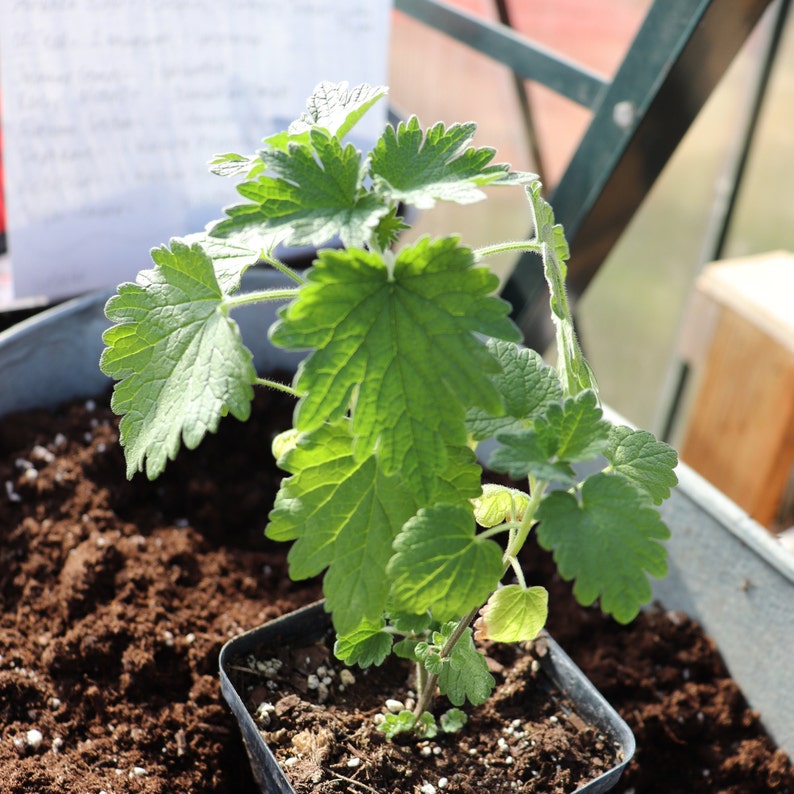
(680, 53)
(728, 186)
(524, 104)
(731, 179)
(525, 58)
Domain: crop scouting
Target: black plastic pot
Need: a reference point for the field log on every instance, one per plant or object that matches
(310, 624)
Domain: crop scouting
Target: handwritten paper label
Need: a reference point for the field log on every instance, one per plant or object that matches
(110, 108)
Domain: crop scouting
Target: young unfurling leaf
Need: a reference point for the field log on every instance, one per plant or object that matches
(233, 164)
(575, 372)
(332, 107)
(395, 724)
(513, 614)
(452, 720)
(498, 504)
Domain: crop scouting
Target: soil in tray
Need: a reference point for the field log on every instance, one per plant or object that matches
(319, 719)
(116, 597)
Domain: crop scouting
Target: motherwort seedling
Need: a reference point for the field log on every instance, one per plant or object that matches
(410, 361)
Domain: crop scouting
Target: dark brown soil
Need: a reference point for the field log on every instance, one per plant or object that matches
(323, 731)
(694, 731)
(116, 599)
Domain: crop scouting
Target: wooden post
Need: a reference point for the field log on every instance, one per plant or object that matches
(739, 341)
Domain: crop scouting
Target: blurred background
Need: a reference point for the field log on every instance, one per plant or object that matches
(634, 317)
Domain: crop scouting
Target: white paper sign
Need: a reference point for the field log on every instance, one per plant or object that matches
(112, 108)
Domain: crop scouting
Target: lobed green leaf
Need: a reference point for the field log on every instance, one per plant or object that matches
(464, 676)
(367, 645)
(453, 720)
(429, 655)
(567, 432)
(410, 623)
(401, 338)
(314, 194)
(406, 649)
(418, 167)
(647, 463)
(524, 453)
(395, 724)
(177, 356)
(608, 543)
(573, 428)
(527, 386)
(343, 513)
(441, 565)
(231, 257)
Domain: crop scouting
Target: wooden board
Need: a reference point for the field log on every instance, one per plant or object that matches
(739, 339)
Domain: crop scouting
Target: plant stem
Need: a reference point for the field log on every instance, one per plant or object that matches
(274, 384)
(282, 268)
(511, 245)
(518, 572)
(233, 301)
(518, 536)
(429, 689)
(510, 526)
(421, 677)
(536, 490)
(425, 696)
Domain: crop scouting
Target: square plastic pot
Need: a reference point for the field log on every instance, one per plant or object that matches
(310, 624)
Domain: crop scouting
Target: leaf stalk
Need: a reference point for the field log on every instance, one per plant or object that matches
(274, 384)
(277, 264)
(260, 296)
(512, 245)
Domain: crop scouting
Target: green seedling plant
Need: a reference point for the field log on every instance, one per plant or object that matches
(411, 360)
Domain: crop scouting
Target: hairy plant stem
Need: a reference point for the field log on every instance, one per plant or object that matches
(277, 264)
(428, 691)
(260, 296)
(518, 535)
(518, 538)
(274, 384)
(511, 245)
